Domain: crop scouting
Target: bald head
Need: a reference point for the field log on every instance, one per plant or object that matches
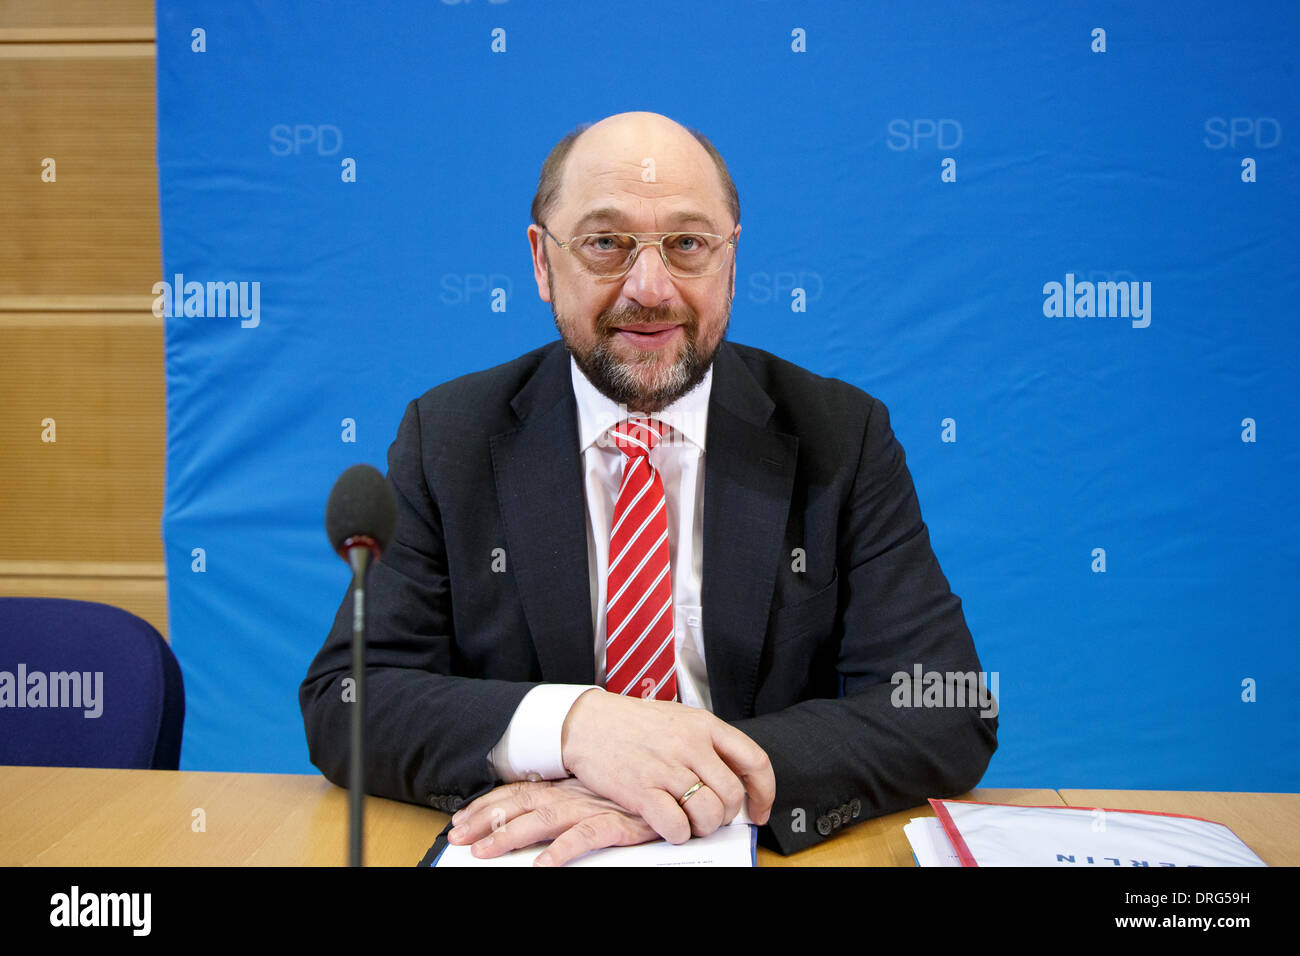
(648, 152)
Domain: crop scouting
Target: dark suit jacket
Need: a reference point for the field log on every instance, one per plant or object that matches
(819, 584)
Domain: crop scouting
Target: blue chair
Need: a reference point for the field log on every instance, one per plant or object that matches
(86, 685)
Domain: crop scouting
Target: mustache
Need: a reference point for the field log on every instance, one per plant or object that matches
(631, 317)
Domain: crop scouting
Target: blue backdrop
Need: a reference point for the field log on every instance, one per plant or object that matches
(913, 178)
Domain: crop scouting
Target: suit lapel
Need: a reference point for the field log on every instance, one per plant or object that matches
(748, 479)
(543, 506)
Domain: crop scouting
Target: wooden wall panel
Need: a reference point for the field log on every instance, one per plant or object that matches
(94, 494)
(79, 18)
(79, 517)
(95, 229)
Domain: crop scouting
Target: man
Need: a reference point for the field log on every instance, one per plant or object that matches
(644, 578)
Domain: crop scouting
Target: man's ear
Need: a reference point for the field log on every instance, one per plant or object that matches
(537, 242)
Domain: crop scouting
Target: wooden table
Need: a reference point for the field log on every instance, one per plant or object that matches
(62, 816)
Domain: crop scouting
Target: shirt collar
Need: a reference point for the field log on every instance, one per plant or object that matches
(597, 413)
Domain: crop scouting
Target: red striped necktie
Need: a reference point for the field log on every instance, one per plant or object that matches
(639, 625)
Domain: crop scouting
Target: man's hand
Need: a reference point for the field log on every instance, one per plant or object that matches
(646, 754)
(517, 815)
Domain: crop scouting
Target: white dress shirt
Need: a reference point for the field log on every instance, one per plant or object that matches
(530, 747)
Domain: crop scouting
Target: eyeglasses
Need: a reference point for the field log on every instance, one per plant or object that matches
(686, 255)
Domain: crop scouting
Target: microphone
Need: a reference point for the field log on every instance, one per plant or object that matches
(360, 518)
(361, 512)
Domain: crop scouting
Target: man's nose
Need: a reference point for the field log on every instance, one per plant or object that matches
(649, 281)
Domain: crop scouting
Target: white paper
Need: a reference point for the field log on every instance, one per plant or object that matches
(930, 844)
(999, 835)
(731, 845)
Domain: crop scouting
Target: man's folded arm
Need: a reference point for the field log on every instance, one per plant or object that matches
(838, 761)
(428, 731)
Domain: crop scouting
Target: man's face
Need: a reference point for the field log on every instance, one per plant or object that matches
(646, 338)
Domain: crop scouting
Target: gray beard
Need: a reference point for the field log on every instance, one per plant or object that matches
(619, 382)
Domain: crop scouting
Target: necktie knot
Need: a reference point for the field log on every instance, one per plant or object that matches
(636, 436)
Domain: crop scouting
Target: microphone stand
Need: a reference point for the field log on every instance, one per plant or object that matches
(358, 550)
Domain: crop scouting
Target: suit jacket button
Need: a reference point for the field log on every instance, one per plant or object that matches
(824, 826)
(855, 808)
(836, 819)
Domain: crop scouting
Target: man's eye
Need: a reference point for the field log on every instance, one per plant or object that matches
(610, 243)
(688, 243)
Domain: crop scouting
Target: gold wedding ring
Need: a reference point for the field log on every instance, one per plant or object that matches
(691, 792)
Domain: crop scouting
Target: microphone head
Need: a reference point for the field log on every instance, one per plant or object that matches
(361, 511)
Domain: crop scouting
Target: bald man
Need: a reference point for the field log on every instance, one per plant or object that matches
(644, 578)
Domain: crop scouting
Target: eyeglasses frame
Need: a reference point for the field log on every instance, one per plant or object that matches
(636, 250)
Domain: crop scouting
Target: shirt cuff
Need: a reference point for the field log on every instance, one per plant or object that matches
(530, 747)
